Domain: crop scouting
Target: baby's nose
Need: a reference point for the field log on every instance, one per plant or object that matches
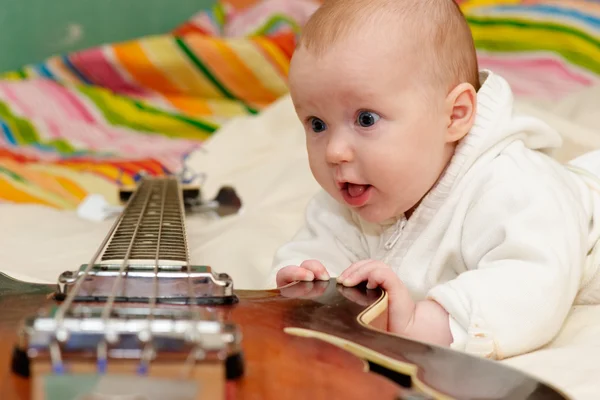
(338, 151)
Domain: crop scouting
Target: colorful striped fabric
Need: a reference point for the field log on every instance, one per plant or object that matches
(86, 122)
(545, 48)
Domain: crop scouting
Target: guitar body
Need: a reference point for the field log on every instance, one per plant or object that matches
(311, 340)
(139, 321)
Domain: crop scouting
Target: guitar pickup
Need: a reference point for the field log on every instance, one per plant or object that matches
(145, 283)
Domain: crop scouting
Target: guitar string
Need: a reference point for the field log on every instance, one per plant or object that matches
(106, 310)
(62, 310)
(154, 297)
(192, 304)
(66, 304)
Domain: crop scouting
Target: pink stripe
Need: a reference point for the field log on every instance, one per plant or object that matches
(69, 101)
(537, 66)
(55, 131)
(15, 100)
(97, 68)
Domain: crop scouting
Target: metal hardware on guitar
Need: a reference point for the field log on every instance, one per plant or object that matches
(173, 284)
(225, 203)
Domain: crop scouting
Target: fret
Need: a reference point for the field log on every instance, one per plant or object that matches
(161, 227)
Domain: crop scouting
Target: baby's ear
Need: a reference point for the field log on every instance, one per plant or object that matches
(460, 107)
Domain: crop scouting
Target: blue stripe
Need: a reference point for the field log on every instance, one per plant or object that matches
(7, 133)
(45, 147)
(44, 71)
(543, 9)
(74, 70)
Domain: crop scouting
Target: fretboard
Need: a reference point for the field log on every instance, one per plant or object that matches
(151, 228)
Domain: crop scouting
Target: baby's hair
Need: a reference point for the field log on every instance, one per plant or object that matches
(440, 33)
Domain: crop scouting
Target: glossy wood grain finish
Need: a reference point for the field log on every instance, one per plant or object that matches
(280, 365)
(277, 365)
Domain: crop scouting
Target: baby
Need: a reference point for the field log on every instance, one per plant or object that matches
(433, 188)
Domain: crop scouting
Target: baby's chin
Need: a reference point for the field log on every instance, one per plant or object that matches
(373, 214)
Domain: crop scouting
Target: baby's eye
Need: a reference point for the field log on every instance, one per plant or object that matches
(317, 125)
(367, 119)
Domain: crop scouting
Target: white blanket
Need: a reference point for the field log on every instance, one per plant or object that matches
(264, 158)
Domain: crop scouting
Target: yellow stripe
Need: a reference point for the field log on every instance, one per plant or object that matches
(109, 171)
(13, 192)
(82, 176)
(470, 4)
(260, 67)
(226, 108)
(167, 56)
(132, 58)
(276, 54)
(12, 76)
(542, 38)
(45, 183)
(157, 122)
(73, 188)
(31, 73)
(195, 106)
(228, 69)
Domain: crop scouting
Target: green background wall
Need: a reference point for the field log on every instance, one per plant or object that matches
(31, 30)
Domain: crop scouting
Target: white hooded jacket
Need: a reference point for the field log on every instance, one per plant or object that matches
(504, 241)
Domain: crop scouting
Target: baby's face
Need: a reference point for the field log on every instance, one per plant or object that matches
(375, 141)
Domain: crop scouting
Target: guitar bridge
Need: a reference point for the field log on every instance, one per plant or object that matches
(157, 347)
(127, 333)
(143, 283)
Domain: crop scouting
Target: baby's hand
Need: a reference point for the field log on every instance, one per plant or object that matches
(309, 270)
(401, 307)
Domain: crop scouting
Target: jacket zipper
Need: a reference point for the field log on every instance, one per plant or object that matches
(391, 242)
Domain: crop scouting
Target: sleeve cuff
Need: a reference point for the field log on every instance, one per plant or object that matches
(470, 332)
(459, 335)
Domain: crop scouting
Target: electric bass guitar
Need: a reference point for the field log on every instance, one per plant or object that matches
(140, 321)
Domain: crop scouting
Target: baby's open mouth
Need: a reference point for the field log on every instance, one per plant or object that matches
(355, 189)
(355, 194)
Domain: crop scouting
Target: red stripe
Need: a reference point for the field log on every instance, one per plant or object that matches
(102, 72)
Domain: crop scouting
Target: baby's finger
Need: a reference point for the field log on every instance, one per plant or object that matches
(351, 269)
(384, 278)
(293, 273)
(359, 273)
(319, 271)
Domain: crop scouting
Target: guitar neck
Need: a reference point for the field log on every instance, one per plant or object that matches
(151, 229)
(145, 257)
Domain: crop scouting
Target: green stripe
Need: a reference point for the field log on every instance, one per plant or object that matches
(117, 119)
(203, 125)
(14, 176)
(112, 117)
(25, 133)
(274, 20)
(513, 43)
(219, 14)
(209, 75)
(529, 24)
(62, 146)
